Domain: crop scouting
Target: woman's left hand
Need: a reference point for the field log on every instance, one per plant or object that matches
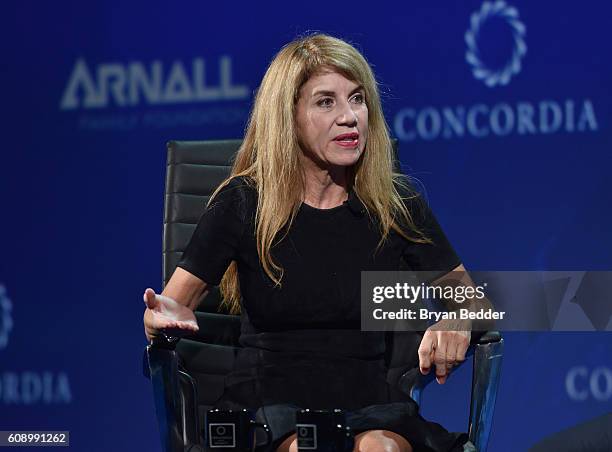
(444, 345)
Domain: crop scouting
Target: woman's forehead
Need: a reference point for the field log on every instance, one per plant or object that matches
(328, 81)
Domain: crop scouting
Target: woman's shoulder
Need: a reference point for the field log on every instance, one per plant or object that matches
(236, 187)
(240, 183)
(412, 198)
(238, 193)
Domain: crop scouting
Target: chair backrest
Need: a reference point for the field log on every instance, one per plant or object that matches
(194, 170)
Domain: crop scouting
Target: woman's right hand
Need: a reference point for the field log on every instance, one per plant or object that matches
(164, 313)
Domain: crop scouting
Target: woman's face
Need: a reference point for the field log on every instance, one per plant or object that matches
(332, 120)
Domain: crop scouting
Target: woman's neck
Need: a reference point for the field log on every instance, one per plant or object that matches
(324, 189)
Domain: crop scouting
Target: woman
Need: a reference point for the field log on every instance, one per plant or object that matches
(312, 201)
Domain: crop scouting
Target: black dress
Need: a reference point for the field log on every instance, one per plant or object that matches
(302, 343)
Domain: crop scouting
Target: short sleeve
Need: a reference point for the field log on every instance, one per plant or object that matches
(218, 234)
(438, 257)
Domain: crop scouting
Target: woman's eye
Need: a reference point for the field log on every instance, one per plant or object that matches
(325, 102)
(359, 99)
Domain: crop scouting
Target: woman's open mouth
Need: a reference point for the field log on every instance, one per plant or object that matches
(347, 140)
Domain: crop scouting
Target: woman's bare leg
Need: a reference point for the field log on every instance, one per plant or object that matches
(381, 441)
(368, 441)
(289, 445)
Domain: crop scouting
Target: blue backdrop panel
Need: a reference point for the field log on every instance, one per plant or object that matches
(502, 111)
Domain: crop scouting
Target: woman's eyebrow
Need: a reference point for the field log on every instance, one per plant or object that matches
(325, 92)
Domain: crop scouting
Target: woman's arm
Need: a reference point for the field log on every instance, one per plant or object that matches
(185, 288)
(173, 309)
(445, 343)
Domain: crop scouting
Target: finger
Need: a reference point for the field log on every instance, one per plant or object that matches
(165, 323)
(462, 348)
(426, 352)
(149, 298)
(188, 325)
(451, 352)
(440, 358)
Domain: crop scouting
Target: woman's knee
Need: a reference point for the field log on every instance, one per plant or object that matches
(381, 441)
(368, 441)
(289, 444)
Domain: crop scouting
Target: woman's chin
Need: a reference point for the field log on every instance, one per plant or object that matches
(348, 158)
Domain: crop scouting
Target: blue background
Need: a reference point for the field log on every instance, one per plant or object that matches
(82, 205)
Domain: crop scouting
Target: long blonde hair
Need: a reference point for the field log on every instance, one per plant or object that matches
(269, 154)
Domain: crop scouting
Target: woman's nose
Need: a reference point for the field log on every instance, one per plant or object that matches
(346, 116)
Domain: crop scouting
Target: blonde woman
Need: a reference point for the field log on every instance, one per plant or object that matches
(312, 201)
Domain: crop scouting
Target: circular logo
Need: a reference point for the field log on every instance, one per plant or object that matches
(493, 77)
(6, 322)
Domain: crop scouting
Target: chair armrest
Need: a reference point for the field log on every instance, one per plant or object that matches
(163, 371)
(165, 342)
(174, 390)
(413, 382)
(485, 337)
(487, 350)
(487, 363)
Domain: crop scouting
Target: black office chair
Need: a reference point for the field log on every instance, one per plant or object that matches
(187, 374)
